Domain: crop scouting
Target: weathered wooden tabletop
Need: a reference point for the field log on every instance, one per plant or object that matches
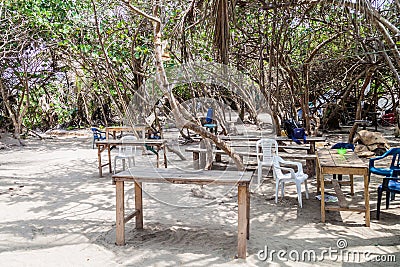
(132, 142)
(179, 176)
(330, 158)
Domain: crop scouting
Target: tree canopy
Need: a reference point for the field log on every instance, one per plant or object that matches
(78, 63)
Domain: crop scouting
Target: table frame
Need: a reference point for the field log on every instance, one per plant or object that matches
(108, 144)
(357, 167)
(121, 129)
(140, 175)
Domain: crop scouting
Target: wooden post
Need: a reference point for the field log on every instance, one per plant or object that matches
(139, 205)
(366, 198)
(318, 173)
(351, 184)
(322, 184)
(120, 213)
(311, 164)
(248, 211)
(196, 164)
(218, 156)
(109, 157)
(316, 170)
(242, 220)
(203, 155)
(99, 158)
(165, 156)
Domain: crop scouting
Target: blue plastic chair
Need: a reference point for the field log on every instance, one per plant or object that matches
(210, 124)
(97, 135)
(343, 145)
(390, 183)
(210, 115)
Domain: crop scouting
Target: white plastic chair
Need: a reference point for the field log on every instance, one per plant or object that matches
(126, 152)
(290, 175)
(266, 149)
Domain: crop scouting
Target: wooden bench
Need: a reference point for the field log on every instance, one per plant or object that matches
(363, 123)
(290, 147)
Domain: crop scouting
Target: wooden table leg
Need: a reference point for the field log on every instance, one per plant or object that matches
(351, 184)
(317, 171)
(120, 225)
(165, 156)
(322, 184)
(248, 211)
(312, 148)
(311, 164)
(99, 159)
(196, 164)
(366, 197)
(139, 205)
(203, 155)
(158, 160)
(242, 221)
(218, 156)
(109, 158)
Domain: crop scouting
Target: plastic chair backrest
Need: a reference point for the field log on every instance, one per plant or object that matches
(97, 134)
(277, 160)
(95, 131)
(393, 170)
(395, 152)
(276, 167)
(210, 115)
(343, 145)
(269, 148)
(127, 150)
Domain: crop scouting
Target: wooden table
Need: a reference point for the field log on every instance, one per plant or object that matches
(140, 175)
(107, 144)
(121, 129)
(330, 162)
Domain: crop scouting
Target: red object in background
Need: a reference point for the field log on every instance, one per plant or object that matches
(388, 118)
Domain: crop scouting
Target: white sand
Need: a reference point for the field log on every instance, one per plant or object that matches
(56, 211)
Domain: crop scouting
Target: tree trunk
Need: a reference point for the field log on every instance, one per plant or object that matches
(367, 80)
(181, 116)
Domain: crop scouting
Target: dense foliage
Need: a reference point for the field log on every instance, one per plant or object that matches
(76, 63)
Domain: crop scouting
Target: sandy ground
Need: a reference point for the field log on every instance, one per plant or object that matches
(56, 211)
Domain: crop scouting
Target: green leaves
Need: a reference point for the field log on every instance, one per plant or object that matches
(141, 51)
